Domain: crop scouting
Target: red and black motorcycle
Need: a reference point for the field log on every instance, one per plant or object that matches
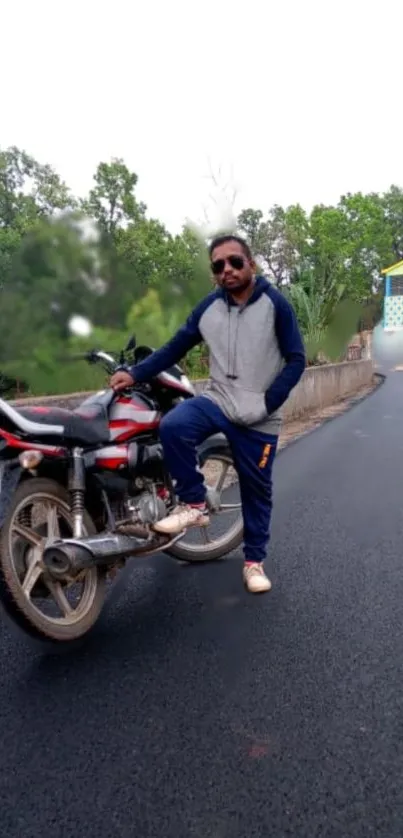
(80, 491)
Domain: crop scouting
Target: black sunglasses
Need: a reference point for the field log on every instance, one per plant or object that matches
(236, 262)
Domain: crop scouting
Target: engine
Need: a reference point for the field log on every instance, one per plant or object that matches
(146, 508)
(137, 491)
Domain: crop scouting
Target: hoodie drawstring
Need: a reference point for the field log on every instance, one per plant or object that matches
(233, 377)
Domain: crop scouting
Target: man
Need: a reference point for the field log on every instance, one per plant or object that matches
(256, 358)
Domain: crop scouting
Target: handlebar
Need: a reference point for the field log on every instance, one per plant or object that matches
(97, 355)
(110, 361)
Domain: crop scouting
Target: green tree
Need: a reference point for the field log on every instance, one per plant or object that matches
(132, 250)
(28, 191)
(353, 240)
(56, 271)
(369, 243)
(149, 322)
(392, 206)
(112, 201)
(281, 242)
(252, 227)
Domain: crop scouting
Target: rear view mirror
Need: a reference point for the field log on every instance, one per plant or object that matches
(131, 344)
(142, 352)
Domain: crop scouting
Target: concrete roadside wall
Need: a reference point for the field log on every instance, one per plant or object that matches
(322, 386)
(319, 387)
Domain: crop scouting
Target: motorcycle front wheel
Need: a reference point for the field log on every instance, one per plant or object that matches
(44, 609)
(225, 531)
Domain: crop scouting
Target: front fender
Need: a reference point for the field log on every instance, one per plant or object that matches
(10, 476)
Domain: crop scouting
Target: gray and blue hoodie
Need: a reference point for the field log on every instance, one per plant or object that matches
(256, 354)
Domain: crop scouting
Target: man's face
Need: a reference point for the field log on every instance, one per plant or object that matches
(231, 267)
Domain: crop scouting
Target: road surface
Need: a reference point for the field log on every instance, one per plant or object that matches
(197, 710)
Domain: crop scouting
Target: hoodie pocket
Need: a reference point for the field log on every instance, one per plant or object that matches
(250, 407)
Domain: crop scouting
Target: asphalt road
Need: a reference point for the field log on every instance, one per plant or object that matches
(198, 710)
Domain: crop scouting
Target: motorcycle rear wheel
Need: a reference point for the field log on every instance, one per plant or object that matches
(23, 580)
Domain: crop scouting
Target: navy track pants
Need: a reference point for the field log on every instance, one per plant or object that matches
(187, 426)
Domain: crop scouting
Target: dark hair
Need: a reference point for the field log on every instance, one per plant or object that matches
(229, 237)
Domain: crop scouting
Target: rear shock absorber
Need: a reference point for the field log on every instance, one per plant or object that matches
(77, 491)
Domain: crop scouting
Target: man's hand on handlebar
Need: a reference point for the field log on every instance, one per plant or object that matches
(120, 380)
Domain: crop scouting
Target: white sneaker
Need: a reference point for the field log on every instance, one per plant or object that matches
(255, 578)
(183, 517)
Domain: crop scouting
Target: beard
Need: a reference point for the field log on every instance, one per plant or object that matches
(237, 285)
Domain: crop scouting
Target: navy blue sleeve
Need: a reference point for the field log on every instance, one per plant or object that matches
(292, 349)
(172, 352)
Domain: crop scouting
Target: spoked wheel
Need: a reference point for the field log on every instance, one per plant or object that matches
(225, 531)
(57, 611)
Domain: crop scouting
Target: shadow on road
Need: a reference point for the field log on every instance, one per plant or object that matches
(155, 605)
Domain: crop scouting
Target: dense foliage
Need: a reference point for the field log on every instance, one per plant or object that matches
(101, 257)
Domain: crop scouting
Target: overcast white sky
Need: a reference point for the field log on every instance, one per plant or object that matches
(295, 100)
